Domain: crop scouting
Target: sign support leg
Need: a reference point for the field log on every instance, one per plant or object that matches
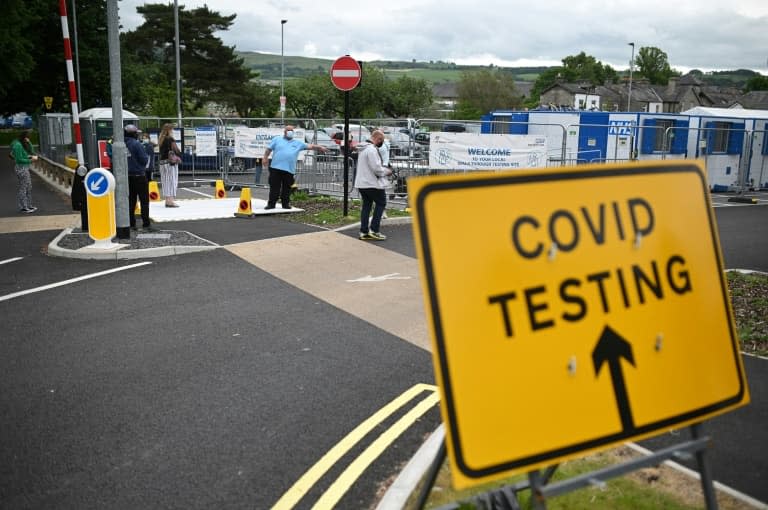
(429, 481)
(535, 481)
(704, 470)
(347, 153)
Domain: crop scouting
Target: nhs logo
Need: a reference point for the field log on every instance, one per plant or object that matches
(621, 128)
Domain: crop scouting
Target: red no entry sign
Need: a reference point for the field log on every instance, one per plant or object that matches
(346, 73)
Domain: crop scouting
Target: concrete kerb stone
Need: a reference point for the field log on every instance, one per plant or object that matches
(400, 220)
(123, 252)
(406, 482)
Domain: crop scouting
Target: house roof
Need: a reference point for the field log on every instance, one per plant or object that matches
(757, 99)
(573, 88)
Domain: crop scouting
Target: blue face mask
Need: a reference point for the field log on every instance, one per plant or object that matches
(289, 135)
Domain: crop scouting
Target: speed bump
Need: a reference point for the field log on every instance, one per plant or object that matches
(244, 209)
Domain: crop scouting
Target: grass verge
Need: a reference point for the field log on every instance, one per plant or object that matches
(328, 211)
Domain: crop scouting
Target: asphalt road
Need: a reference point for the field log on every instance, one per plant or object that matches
(190, 382)
(202, 381)
(195, 381)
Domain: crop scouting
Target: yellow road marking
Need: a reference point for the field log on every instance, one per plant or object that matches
(313, 474)
(356, 468)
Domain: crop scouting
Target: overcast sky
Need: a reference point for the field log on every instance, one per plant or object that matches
(695, 34)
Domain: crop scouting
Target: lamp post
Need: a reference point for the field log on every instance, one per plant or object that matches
(631, 67)
(178, 58)
(282, 70)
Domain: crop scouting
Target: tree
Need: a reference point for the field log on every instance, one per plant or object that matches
(758, 82)
(408, 97)
(16, 52)
(211, 71)
(652, 63)
(482, 91)
(367, 100)
(575, 69)
(312, 97)
(583, 67)
(32, 62)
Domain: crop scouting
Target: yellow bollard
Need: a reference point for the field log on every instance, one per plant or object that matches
(244, 209)
(137, 209)
(100, 188)
(154, 192)
(220, 193)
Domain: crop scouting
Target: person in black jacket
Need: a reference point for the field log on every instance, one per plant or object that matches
(138, 186)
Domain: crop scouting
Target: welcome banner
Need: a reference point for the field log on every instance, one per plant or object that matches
(475, 151)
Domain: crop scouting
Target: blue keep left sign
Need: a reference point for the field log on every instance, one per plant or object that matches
(99, 182)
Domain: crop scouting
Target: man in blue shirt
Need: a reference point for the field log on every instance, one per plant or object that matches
(282, 169)
(138, 187)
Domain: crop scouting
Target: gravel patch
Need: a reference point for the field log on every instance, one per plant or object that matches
(139, 240)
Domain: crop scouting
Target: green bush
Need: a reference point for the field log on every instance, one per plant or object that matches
(9, 135)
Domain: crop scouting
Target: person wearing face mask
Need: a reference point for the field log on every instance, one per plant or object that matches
(370, 183)
(282, 168)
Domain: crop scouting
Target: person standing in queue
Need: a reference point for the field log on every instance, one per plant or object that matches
(138, 186)
(282, 169)
(23, 155)
(169, 170)
(370, 183)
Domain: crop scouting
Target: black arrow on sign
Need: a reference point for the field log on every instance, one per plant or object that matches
(610, 348)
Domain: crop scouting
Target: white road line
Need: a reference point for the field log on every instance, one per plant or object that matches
(7, 261)
(198, 192)
(67, 282)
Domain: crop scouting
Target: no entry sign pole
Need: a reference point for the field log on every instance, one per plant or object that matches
(346, 73)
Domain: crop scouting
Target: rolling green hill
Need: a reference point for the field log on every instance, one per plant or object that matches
(269, 66)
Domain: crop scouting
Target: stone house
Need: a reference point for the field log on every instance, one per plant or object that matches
(680, 94)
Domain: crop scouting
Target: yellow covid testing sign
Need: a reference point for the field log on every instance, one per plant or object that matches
(571, 309)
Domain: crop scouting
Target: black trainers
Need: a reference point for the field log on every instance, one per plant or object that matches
(269, 207)
(149, 229)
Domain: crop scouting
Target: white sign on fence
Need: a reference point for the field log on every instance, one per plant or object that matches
(205, 141)
(252, 142)
(475, 151)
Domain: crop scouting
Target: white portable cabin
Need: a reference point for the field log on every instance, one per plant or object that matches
(95, 125)
(733, 142)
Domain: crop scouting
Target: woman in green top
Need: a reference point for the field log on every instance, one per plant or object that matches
(23, 155)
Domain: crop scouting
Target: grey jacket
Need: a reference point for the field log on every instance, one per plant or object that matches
(370, 171)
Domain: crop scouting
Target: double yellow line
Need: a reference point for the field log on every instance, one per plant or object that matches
(345, 480)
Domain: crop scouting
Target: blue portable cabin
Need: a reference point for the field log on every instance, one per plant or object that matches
(595, 136)
(728, 140)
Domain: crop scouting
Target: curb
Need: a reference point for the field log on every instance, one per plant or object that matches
(406, 482)
(400, 220)
(122, 252)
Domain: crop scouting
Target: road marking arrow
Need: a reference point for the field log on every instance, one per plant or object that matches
(610, 348)
(390, 276)
(95, 185)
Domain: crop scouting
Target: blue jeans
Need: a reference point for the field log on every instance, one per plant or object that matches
(372, 196)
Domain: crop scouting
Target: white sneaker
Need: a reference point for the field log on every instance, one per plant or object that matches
(377, 236)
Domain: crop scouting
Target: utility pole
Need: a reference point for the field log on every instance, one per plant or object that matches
(631, 67)
(119, 151)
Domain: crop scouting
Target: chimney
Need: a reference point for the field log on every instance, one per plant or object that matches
(672, 84)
